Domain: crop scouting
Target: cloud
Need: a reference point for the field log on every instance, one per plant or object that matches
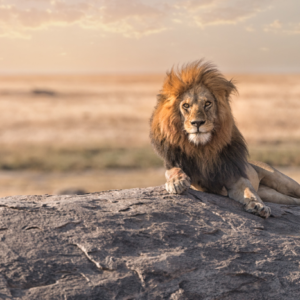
(131, 18)
(278, 27)
(191, 5)
(19, 20)
(230, 12)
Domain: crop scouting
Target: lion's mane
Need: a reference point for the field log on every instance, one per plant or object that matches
(224, 157)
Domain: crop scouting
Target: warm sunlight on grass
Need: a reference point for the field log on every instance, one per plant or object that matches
(100, 124)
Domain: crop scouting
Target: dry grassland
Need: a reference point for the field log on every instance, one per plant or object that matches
(93, 125)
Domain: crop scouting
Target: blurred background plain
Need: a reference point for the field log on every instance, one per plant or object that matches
(79, 79)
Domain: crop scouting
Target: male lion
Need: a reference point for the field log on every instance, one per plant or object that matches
(193, 130)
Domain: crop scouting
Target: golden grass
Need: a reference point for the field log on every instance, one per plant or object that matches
(36, 182)
(267, 108)
(99, 157)
(77, 123)
(67, 159)
(115, 110)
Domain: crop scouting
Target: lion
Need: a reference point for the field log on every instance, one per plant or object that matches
(193, 130)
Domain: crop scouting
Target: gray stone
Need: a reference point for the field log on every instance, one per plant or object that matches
(146, 244)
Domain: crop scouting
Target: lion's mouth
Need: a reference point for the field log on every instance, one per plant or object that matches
(200, 137)
(199, 132)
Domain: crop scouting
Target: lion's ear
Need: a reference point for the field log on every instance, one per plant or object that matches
(230, 88)
(173, 84)
(223, 89)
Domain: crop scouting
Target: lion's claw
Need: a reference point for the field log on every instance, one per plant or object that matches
(177, 186)
(258, 208)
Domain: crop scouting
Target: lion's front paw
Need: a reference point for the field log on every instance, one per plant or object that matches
(258, 208)
(178, 185)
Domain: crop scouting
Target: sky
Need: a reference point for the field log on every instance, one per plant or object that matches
(148, 36)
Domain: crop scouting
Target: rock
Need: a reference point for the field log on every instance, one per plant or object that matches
(43, 92)
(71, 191)
(146, 244)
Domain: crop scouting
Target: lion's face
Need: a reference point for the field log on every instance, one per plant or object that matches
(198, 108)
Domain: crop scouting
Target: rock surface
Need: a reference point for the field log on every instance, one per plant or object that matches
(146, 244)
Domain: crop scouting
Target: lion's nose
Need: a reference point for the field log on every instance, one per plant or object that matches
(198, 123)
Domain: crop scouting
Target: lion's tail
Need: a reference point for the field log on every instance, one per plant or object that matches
(269, 195)
(275, 186)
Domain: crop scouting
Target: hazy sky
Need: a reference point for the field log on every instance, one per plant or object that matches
(148, 35)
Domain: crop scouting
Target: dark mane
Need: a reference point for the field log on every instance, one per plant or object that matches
(224, 157)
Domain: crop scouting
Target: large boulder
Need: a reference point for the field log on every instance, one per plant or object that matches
(146, 244)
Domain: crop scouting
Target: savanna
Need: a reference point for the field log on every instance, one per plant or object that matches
(92, 132)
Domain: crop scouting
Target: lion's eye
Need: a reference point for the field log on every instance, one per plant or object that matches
(207, 104)
(185, 105)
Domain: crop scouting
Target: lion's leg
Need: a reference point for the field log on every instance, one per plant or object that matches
(198, 187)
(253, 177)
(243, 192)
(177, 181)
(270, 195)
(276, 180)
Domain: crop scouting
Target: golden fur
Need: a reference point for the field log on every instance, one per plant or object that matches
(167, 120)
(216, 159)
(167, 123)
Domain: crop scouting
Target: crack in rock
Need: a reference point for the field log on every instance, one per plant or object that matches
(68, 223)
(98, 265)
(32, 227)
